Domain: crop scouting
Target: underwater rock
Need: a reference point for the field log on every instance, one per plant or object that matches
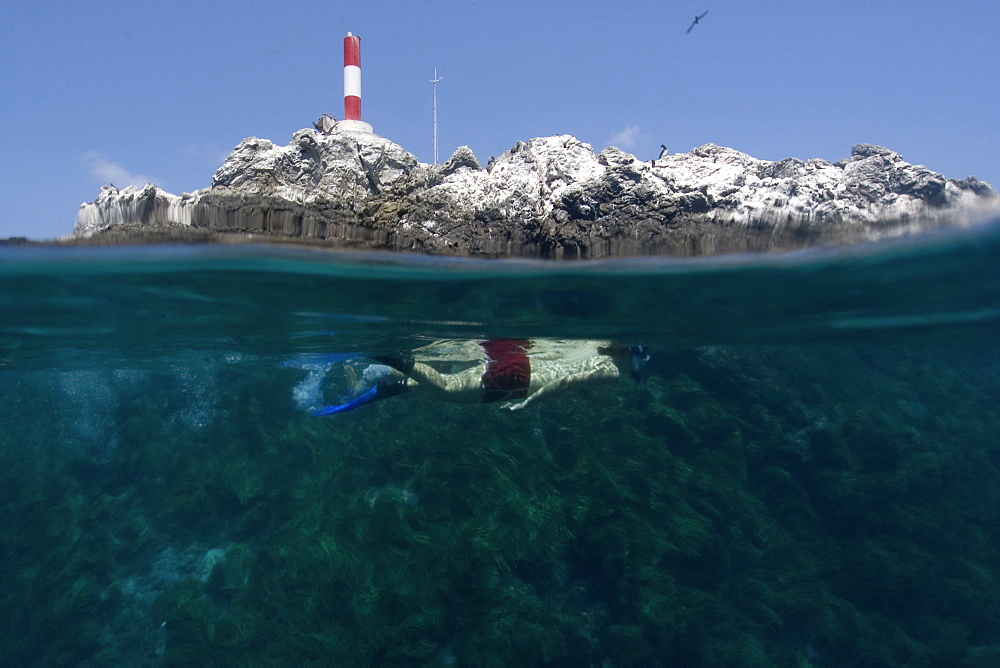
(547, 197)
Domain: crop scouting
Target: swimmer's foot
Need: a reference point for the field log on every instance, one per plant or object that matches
(402, 364)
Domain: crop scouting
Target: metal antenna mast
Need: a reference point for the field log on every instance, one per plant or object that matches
(435, 81)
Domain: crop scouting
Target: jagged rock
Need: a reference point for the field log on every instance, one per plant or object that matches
(462, 157)
(550, 197)
(314, 166)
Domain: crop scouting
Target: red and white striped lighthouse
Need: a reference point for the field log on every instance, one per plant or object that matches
(352, 86)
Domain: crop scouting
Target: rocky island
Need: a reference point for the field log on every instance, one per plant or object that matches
(550, 197)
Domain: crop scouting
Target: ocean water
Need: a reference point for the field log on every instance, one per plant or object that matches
(806, 472)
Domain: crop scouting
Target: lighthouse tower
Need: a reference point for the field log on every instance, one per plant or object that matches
(352, 87)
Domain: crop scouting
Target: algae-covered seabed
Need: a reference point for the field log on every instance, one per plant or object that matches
(741, 506)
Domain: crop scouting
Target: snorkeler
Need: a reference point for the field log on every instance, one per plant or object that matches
(504, 372)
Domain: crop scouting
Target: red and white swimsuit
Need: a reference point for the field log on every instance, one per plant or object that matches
(508, 369)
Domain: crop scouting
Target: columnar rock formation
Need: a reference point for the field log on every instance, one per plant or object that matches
(548, 197)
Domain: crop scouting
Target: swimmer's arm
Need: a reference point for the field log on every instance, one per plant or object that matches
(543, 390)
(560, 383)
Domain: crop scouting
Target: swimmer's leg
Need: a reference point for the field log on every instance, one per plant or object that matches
(465, 386)
(420, 372)
(401, 364)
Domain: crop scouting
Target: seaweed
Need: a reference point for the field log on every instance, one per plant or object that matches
(752, 507)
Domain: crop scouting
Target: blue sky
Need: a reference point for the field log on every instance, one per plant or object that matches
(111, 91)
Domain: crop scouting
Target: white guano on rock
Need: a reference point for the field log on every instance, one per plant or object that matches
(550, 196)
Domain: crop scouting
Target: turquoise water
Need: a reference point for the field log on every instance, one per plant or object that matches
(807, 473)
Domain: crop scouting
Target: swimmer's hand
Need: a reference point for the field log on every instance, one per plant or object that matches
(516, 407)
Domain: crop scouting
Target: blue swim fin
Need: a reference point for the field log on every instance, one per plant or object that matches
(383, 389)
(367, 397)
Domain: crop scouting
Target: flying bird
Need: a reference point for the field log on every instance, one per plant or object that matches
(696, 20)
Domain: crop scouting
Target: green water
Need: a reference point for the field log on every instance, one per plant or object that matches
(808, 472)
